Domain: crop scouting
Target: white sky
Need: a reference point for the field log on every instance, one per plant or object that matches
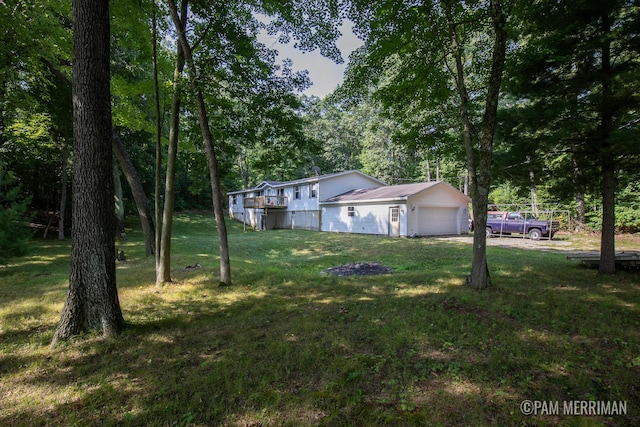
(325, 74)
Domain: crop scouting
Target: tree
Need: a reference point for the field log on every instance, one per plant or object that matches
(14, 230)
(92, 301)
(577, 78)
(417, 58)
(216, 193)
(163, 265)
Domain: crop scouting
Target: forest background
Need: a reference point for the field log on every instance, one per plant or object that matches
(392, 119)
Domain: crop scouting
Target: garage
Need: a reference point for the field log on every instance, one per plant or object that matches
(432, 208)
(438, 221)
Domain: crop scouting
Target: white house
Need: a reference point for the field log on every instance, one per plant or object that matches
(353, 202)
(421, 209)
(293, 204)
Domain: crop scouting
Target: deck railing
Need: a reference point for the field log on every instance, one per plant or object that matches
(261, 202)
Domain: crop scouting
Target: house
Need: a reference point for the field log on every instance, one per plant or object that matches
(421, 209)
(353, 202)
(293, 204)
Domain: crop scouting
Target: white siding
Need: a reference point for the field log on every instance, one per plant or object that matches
(366, 219)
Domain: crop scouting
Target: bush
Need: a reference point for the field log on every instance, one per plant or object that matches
(628, 209)
(14, 229)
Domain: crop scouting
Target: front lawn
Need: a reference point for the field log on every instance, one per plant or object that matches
(287, 345)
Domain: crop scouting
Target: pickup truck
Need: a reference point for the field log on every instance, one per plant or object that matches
(502, 223)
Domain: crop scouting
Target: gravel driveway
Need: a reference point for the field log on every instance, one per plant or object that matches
(560, 243)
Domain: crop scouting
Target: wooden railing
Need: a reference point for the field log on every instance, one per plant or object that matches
(262, 202)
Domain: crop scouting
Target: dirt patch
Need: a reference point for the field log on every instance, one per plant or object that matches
(358, 269)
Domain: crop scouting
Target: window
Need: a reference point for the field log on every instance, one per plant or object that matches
(235, 200)
(395, 214)
(296, 192)
(281, 192)
(312, 191)
(351, 211)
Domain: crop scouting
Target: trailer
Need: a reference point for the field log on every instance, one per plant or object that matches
(628, 260)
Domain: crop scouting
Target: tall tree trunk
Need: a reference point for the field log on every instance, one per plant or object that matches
(534, 191)
(119, 205)
(607, 161)
(216, 193)
(139, 196)
(63, 192)
(480, 176)
(428, 168)
(92, 301)
(607, 240)
(158, 174)
(163, 272)
(580, 210)
(579, 195)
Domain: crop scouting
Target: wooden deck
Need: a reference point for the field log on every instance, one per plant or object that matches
(627, 260)
(262, 202)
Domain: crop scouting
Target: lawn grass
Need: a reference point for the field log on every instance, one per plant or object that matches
(286, 345)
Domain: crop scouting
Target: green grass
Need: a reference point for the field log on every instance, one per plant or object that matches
(286, 345)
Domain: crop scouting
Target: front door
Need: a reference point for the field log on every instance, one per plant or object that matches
(394, 221)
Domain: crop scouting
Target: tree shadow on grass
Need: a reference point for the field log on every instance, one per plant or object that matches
(289, 347)
(352, 351)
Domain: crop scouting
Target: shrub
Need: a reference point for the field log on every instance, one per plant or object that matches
(14, 229)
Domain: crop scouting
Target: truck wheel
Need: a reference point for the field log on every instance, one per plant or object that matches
(535, 234)
(488, 232)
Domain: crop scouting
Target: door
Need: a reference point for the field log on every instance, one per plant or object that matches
(394, 221)
(438, 221)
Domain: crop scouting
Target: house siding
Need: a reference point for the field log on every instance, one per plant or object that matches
(302, 212)
(424, 208)
(366, 219)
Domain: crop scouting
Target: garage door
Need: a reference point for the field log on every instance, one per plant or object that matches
(438, 221)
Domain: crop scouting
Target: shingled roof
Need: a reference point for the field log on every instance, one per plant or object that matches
(391, 192)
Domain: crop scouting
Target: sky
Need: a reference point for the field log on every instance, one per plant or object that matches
(325, 74)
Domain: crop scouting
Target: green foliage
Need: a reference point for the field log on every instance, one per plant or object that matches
(628, 209)
(14, 228)
(507, 194)
(573, 83)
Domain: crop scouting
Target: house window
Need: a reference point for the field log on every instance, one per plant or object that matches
(235, 200)
(312, 191)
(281, 192)
(351, 211)
(296, 192)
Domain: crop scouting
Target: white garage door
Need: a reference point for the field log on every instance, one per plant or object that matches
(437, 221)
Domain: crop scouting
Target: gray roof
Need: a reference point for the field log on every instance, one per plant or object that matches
(391, 192)
(277, 184)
